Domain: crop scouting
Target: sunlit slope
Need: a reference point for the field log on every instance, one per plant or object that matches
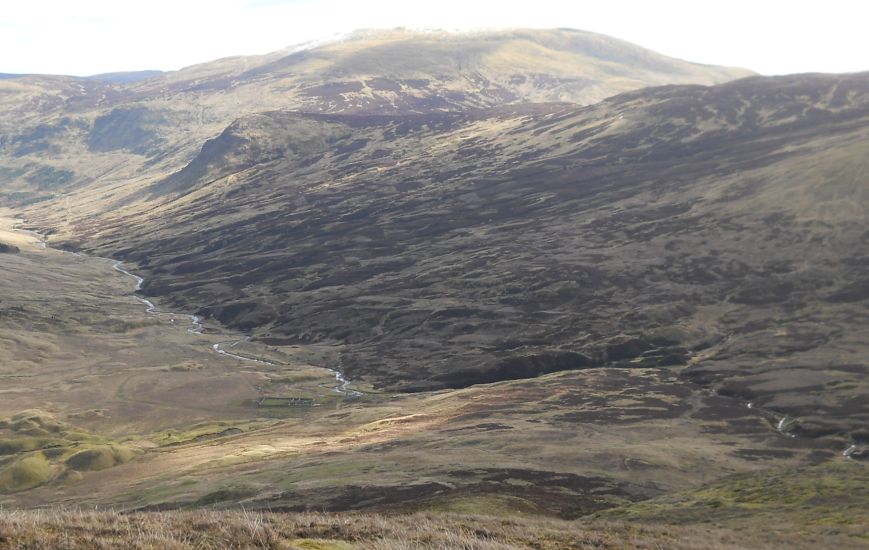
(403, 70)
(59, 134)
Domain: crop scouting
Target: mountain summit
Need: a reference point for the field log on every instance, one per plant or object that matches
(377, 71)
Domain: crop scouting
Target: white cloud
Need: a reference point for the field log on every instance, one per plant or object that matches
(91, 36)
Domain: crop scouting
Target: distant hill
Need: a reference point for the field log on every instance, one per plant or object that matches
(411, 71)
(163, 118)
(115, 78)
(124, 77)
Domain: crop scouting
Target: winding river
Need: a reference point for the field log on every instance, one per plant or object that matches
(784, 423)
(195, 322)
(196, 327)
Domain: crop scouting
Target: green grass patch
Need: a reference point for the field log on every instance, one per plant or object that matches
(100, 457)
(16, 445)
(327, 472)
(36, 448)
(834, 493)
(34, 430)
(26, 473)
(203, 432)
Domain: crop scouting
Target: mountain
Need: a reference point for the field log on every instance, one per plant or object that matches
(151, 127)
(124, 77)
(400, 71)
(448, 245)
(565, 274)
(448, 249)
(117, 78)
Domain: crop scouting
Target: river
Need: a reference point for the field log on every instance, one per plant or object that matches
(196, 325)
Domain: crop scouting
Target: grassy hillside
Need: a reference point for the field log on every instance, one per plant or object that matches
(719, 231)
(550, 301)
(105, 130)
(813, 503)
(106, 405)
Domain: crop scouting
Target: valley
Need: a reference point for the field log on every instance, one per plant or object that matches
(641, 429)
(539, 275)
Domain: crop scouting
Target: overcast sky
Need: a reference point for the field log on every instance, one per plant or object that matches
(82, 37)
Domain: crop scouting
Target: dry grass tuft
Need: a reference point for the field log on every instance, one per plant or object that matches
(204, 530)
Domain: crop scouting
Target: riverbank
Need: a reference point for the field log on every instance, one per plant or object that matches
(39, 241)
(81, 361)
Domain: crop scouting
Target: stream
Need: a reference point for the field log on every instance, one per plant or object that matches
(196, 327)
(784, 423)
(195, 322)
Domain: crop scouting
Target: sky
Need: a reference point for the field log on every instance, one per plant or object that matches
(83, 37)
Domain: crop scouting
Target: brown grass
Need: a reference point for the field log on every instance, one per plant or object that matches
(247, 530)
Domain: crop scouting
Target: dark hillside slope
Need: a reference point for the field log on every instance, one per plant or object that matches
(721, 230)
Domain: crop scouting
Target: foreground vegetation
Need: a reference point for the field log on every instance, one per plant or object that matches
(823, 506)
(314, 531)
